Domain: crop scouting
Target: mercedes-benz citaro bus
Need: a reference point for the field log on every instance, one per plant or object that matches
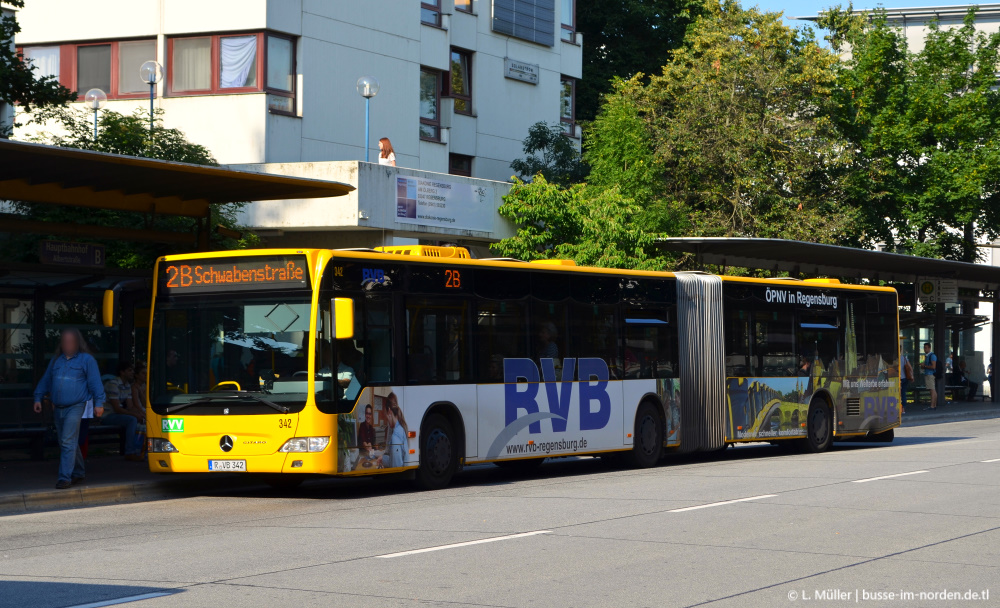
(290, 363)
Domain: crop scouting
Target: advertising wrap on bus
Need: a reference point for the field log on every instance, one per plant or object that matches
(534, 415)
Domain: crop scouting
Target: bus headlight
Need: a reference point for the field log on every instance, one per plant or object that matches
(305, 444)
(161, 445)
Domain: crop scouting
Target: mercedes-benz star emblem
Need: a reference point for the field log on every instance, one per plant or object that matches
(226, 443)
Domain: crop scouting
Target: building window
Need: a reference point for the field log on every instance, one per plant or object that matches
(430, 104)
(460, 164)
(190, 65)
(44, 60)
(112, 67)
(131, 56)
(463, 5)
(531, 20)
(567, 104)
(460, 84)
(280, 74)
(239, 63)
(568, 10)
(430, 12)
(93, 68)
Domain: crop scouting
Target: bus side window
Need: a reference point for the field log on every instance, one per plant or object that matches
(437, 340)
(737, 332)
(501, 333)
(377, 339)
(774, 342)
(650, 343)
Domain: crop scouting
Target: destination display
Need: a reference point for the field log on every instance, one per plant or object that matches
(241, 274)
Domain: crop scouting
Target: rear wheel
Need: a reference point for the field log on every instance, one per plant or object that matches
(884, 436)
(647, 439)
(819, 428)
(438, 455)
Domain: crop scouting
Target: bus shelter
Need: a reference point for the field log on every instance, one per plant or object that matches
(949, 304)
(65, 288)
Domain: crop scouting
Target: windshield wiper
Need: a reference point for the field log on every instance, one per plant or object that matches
(226, 397)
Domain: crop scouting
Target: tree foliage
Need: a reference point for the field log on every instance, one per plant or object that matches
(121, 134)
(550, 154)
(594, 227)
(622, 38)
(18, 82)
(926, 127)
(739, 120)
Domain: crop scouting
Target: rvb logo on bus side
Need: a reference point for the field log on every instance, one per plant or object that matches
(172, 425)
(593, 400)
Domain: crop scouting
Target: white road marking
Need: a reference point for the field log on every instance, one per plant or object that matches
(724, 502)
(994, 460)
(465, 544)
(124, 600)
(888, 476)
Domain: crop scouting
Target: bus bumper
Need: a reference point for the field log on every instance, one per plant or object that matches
(322, 463)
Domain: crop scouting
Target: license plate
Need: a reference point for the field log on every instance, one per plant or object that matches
(239, 466)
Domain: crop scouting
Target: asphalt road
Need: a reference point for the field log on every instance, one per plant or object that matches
(574, 534)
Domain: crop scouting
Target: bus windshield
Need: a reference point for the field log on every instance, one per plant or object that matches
(210, 346)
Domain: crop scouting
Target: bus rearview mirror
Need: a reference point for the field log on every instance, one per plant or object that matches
(108, 308)
(343, 318)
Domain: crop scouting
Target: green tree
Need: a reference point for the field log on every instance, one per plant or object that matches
(18, 82)
(122, 134)
(926, 126)
(618, 149)
(594, 227)
(623, 38)
(550, 154)
(739, 122)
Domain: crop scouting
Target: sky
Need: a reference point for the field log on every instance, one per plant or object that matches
(802, 8)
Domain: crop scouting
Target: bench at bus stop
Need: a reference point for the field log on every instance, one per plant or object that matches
(37, 437)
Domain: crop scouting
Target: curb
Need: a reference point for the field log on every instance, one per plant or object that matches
(959, 416)
(49, 500)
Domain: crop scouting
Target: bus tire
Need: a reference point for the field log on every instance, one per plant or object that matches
(884, 436)
(819, 428)
(647, 438)
(521, 467)
(438, 455)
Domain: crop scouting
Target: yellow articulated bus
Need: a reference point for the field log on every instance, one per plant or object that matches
(288, 363)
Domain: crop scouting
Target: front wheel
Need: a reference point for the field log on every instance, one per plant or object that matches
(819, 428)
(647, 440)
(438, 455)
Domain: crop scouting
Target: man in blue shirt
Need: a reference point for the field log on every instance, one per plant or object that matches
(928, 366)
(71, 379)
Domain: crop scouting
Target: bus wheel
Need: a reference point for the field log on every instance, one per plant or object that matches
(647, 440)
(884, 436)
(437, 453)
(520, 467)
(819, 428)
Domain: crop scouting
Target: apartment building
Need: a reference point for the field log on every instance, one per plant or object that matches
(274, 81)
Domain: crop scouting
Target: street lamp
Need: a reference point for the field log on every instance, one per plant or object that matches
(151, 72)
(95, 98)
(367, 88)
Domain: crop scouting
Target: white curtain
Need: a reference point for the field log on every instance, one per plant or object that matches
(192, 64)
(45, 60)
(239, 62)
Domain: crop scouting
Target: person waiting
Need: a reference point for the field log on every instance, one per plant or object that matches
(119, 409)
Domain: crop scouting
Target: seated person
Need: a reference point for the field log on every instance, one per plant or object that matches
(120, 411)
